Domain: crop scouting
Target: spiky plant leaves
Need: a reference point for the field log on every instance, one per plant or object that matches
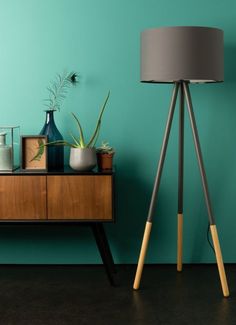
(80, 142)
(77, 141)
(94, 137)
(81, 134)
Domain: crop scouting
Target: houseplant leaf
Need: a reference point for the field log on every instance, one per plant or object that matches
(82, 143)
(97, 128)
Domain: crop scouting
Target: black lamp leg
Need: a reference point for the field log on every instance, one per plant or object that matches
(214, 234)
(148, 226)
(180, 181)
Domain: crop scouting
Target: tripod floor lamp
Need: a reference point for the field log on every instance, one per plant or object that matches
(181, 55)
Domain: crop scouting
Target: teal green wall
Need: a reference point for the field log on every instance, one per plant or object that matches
(100, 40)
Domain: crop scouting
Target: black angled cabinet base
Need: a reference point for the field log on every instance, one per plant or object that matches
(104, 249)
(99, 235)
(61, 198)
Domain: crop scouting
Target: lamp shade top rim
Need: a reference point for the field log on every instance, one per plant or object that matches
(183, 27)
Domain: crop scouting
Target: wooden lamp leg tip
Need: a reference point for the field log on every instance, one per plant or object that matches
(135, 288)
(219, 261)
(142, 255)
(180, 243)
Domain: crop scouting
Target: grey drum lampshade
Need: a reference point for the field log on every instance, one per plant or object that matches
(170, 54)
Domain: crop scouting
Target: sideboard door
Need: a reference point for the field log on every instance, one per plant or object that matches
(81, 197)
(23, 197)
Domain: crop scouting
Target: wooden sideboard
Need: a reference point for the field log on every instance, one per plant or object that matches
(61, 197)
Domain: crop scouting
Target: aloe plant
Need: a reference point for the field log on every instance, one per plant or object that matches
(59, 88)
(79, 142)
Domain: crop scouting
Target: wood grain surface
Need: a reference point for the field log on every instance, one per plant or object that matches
(23, 197)
(80, 197)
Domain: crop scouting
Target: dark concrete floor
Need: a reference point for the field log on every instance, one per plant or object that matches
(32, 295)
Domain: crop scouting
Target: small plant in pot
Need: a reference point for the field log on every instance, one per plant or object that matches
(82, 153)
(105, 155)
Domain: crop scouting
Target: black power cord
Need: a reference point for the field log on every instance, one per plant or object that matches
(208, 238)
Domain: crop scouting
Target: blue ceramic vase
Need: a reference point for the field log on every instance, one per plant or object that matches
(55, 153)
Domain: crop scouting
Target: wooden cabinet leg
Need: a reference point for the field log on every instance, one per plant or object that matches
(104, 249)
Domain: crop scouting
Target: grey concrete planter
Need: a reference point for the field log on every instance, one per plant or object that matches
(83, 159)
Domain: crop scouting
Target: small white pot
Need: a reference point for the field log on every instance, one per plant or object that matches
(83, 159)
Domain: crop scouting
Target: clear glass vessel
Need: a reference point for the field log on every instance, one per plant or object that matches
(9, 148)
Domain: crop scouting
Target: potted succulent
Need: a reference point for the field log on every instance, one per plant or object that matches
(105, 155)
(83, 154)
